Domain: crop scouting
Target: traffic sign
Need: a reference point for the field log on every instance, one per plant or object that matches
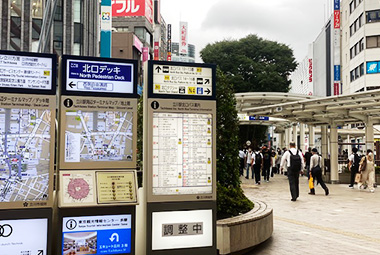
(182, 80)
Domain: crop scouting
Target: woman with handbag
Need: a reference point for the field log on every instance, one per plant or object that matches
(367, 171)
(316, 172)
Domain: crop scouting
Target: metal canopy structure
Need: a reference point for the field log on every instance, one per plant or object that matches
(343, 109)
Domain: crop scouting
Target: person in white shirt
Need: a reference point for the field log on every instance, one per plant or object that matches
(242, 164)
(248, 156)
(293, 159)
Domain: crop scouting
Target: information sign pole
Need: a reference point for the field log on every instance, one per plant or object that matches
(180, 159)
(97, 156)
(27, 132)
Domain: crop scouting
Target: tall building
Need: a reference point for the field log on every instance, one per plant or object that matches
(176, 56)
(74, 30)
(360, 45)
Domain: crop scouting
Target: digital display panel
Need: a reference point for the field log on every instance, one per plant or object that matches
(24, 236)
(103, 234)
(99, 77)
(98, 136)
(182, 229)
(26, 72)
(182, 153)
(24, 154)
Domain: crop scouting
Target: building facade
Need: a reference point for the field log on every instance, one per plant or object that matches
(74, 30)
(360, 45)
(176, 56)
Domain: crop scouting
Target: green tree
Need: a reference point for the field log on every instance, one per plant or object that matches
(253, 64)
(230, 197)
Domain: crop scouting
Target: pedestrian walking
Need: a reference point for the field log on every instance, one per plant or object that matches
(278, 160)
(248, 157)
(316, 171)
(367, 171)
(267, 162)
(293, 159)
(308, 155)
(242, 162)
(257, 164)
(353, 165)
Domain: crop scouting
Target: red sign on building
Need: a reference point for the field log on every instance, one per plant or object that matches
(156, 50)
(310, 70)
(336, 19)
(336, 88)
(123, 8)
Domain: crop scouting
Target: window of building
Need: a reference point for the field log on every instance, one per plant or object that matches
(58, 29)
(357, 72)
(356, 25)
(352, 8)
(37, 8)
(373, 16)
(357, 48)
(140, 32)
(122, 29)
(373, 41)
(362, 69)
(16, 8)
(78, 26)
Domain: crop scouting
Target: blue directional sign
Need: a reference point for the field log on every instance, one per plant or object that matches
(265, 118)
(337, 73)
(372, 67)
(98, 76)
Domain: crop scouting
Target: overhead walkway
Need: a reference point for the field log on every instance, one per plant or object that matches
(328, 112)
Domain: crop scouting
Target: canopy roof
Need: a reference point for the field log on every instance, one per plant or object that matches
(343, 109)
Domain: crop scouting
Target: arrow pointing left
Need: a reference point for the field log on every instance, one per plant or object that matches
(71, 84)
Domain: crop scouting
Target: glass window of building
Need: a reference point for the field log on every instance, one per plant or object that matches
(78, 26)
(37, 9)
(372, 42)
(141, 32)
(373, 16)
(16, 8)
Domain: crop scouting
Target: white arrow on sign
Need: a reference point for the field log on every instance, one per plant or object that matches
(114, 235)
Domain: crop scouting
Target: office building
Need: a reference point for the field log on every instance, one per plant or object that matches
(176, 56)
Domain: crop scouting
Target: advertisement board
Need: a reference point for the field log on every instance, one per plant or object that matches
(181, 150)
(372, 67)
(25, 232)
(103, 234)
(125, 8)
(27, 131)
(183, 38)
(97, 133)
(92, 76)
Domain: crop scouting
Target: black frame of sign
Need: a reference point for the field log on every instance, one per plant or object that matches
(96, 211)
(26, 214)
(63, 75)
(177, 96)
(53, 59)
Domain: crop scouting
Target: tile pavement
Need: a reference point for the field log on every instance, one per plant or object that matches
(345, 222)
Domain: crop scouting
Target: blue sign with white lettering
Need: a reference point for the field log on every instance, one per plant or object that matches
(101, 77)
(372, 67)
(337, 73)
(336, 5)
(114, 241)
(266, 118)
(199, 91)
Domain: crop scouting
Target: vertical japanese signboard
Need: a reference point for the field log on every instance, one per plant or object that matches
(180, 157)
(27, 119)
(183, 38)
(336, 35)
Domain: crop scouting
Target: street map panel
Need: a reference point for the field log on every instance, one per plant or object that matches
(24, 154)
(98, 136)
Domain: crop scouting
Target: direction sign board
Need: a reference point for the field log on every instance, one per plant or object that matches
(182, 80)
(27, 73)
(99, 77)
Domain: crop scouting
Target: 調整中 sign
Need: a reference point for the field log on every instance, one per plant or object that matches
(98, 76)
(24, 72)
(184, 80)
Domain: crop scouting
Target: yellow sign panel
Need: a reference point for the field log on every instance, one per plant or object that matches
(191, 90)
(199, 70)
(157, 86)
(167, 78)
(47, 73)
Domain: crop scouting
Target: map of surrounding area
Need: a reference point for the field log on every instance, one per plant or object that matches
(77, 187)
(98, 136)
(24, 154)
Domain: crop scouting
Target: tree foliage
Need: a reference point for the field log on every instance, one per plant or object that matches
(230, 197)
(253, 64)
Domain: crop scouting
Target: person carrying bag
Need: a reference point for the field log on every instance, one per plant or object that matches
(316, 172)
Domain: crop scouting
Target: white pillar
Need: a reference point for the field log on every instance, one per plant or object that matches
(302, 137)
(279, 141)
(324, 142)
(369, 136)
(334, 175)
(287, 137)
(294, 137)
(348, 147)
(311, 136)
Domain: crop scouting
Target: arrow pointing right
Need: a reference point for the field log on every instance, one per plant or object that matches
(158, 69)
(208, 91)
(40, 252)
(207, 81)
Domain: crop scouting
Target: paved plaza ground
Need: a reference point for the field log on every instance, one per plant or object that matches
(345, 222)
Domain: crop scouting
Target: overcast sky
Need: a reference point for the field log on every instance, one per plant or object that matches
(296, 23)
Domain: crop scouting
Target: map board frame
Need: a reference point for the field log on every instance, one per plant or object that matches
(151, 64)
(175, 206)
(110, 104)
(40, 213)
(53, 59)
(168, 106)
(63, 76)
(40, 102)
(97, 211)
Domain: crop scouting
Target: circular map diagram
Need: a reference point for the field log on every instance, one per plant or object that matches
(78, 188)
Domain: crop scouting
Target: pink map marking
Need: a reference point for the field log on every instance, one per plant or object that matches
(78, 188)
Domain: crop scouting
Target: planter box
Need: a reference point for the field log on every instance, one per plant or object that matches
(245, 231)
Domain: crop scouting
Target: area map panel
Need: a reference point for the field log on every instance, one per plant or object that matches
(98, 136)
(24, 154)
(182, 153)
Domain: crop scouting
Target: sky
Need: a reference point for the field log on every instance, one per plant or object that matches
(296, 23)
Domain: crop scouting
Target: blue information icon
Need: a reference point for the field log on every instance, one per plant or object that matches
(200, 91)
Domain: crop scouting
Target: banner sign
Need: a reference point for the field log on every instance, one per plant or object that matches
(156, 50)
(337, 73)
(124, 8)
(183, 37)
(310, 70)
(336, 5)
(336, 19)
